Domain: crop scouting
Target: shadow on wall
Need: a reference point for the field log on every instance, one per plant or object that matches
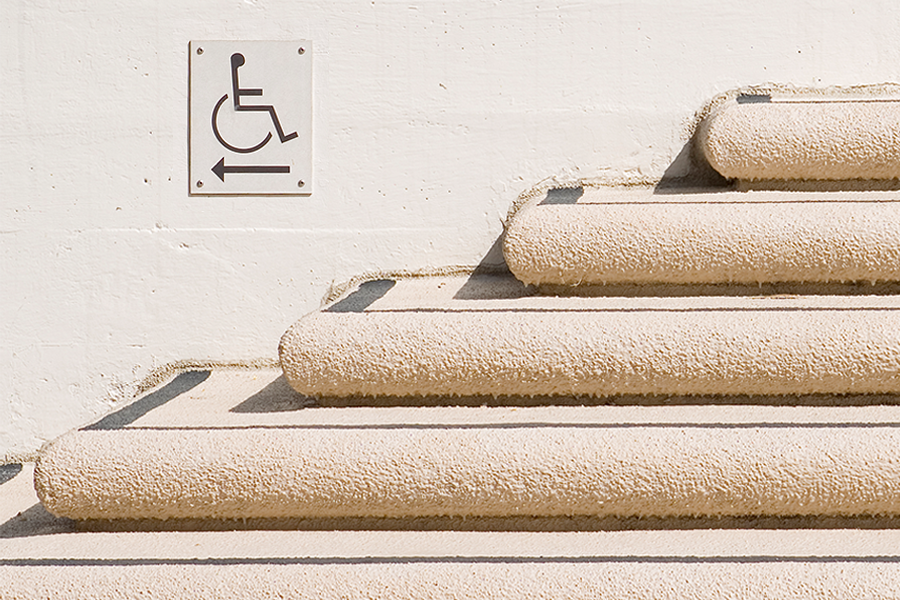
(8, 472)
(364, 296)
(276, 397)
(121, 418)
(493, 263)
(563, 195)
(34, 521)
(691, 172)
(475, 287)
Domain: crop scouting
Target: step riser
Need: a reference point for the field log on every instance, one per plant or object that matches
(683, 578)
(666, 471)
(746, 243)
(595, 352)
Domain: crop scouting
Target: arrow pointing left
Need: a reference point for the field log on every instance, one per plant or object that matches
(220, 169)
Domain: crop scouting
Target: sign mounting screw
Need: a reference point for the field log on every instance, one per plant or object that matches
(301, 50)
(199, 50)
(301, 183)
(199, 183)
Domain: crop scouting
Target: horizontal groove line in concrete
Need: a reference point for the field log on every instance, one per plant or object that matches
(445, 560)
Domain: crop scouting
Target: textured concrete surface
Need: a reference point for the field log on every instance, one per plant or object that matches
(242, 444)
(373, 344)
(402, 471)
(615, 236)
(492, 580)
(42, 556)
(827, 449)
(804, 140)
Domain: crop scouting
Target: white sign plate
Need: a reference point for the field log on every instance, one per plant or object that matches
(250, 118)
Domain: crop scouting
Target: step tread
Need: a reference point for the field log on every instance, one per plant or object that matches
(230, 398)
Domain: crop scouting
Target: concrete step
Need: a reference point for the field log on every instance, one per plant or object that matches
(640, 235)
(46, 557)
(489, 335)
(468, 437)
(241, 444)
(808, 138)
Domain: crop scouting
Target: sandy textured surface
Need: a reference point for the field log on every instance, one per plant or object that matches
(595, 346)
(611, 237)
(493, 580)
(804, 140)
(30, 536)
(43, 557)
(243, 434)
(547, 470)
(242, 444)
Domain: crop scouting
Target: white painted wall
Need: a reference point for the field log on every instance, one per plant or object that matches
(430, 118)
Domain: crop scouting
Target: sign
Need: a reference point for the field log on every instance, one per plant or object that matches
(250, 129)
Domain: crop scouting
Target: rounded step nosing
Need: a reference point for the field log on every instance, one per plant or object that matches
(804, 140)
(496, 471)
(683, 351)
(695, 243)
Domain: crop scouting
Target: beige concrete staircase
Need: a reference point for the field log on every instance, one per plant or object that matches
(680, 395)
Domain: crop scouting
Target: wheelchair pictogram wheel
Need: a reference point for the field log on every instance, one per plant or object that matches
(215, 128)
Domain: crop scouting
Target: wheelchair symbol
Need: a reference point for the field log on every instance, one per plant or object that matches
(237, 92)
